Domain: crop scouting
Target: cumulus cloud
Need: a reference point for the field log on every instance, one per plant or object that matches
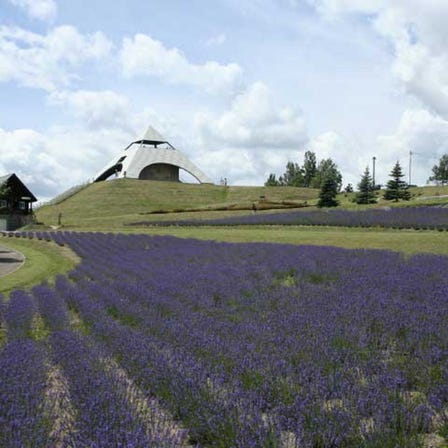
(45, 10)
(96, 109)
(346, 152)
(418, 33)
(54, 161)
(27, 148)
(65, 155)
(251, 139)
(253, 121)
(145, 56)
(47, 61)
(421, 132)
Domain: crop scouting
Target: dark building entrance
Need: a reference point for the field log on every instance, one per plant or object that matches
(160, 171)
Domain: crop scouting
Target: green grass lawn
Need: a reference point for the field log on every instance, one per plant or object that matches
(43, 261)
(406, 241)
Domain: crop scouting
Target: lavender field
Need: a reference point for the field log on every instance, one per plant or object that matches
(165, 342)
(428, 218)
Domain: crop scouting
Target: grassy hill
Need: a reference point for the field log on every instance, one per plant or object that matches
(109, 205)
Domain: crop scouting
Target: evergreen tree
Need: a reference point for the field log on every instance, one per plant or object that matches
(440, 171)
(328, 192)
(396, 188)
(272, 181)
(366, 193)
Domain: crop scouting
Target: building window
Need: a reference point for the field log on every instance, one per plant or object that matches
(22, 205)
(3, 203)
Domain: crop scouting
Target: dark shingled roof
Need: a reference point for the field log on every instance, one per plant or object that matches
(14, 178)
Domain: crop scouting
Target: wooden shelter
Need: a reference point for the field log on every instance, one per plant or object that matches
(16, 203)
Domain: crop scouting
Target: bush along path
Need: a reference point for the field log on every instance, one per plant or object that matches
(176, 342)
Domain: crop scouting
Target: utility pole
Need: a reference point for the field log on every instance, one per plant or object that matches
(373, 173)
(410, 166)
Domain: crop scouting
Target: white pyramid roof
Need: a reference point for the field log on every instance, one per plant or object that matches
(152, 135)
(151, 149)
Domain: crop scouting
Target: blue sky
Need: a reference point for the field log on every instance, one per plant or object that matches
(240, 87)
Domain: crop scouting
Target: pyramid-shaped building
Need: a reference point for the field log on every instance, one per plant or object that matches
(151, 158)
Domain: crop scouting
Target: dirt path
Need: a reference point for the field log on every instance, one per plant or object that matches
(10, 260)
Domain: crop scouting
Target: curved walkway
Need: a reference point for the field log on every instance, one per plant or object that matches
(10, 260)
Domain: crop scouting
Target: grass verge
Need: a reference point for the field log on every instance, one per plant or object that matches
(43, 261)
(406, 241)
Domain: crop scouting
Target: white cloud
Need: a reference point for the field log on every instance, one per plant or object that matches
(253, 138)
(418, 33)
(38, 9)
(96, 109)
(47, 61)
(421, 132)
(52, 161)
(253, 121)
(351, 156)
(142, 55)
(235, 165)
(27, 148)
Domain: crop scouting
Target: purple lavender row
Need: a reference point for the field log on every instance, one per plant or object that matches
(175, 376)
(23, 409)
(327, 347)
(23, 372)
(376, 342)
(394, 260)
(27, 397)
(52, 308)
(431, 218)
(105, 416)
(19, 314)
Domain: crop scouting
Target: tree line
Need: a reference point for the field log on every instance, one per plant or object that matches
(311, 174)
(326, 176)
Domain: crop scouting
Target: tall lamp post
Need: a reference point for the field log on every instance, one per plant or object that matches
(373, 172)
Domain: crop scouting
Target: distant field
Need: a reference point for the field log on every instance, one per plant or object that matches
(406, 241)
(111, 205)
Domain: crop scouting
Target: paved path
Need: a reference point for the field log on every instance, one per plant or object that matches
(9, 260)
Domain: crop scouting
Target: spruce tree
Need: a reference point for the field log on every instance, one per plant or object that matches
(396, 188)
(366, 194)
(328, 192)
